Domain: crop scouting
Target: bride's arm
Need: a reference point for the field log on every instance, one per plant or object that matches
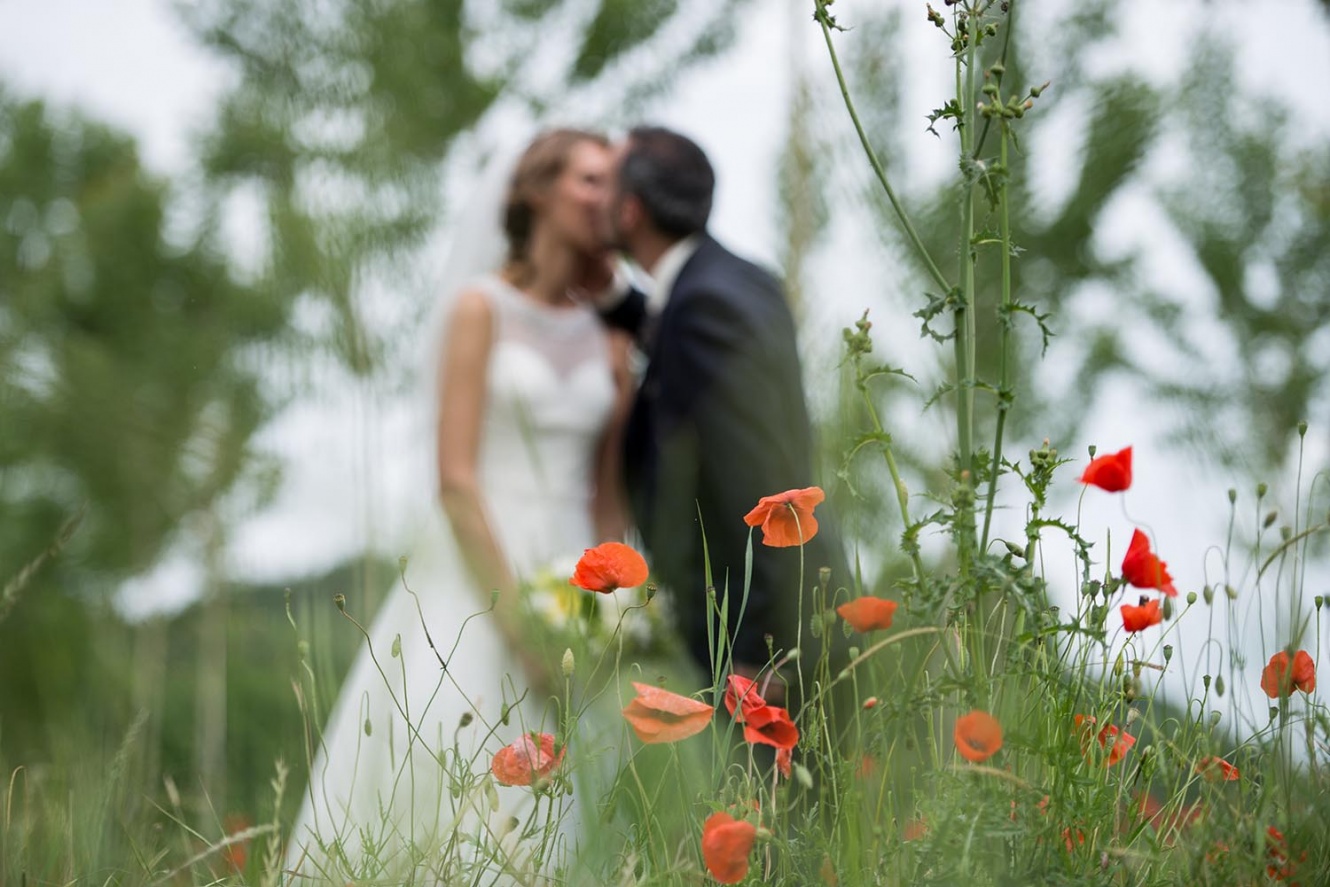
(461, 391)
(610, 506)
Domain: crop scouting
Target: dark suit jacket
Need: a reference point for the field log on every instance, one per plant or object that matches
(719, 422)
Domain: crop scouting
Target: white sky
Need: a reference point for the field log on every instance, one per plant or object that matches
(129, 63)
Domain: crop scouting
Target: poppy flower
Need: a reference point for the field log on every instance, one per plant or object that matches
(530, 758)
(784, 761)
(770, 725)
(1111, 473)
(1217, 770)
(236, 854)
(1139, 618)
(657, 715)
(914, 830)
(608, 566)
(786, 518)
(1277, 679)
(978, 736)
(1279, 867)
(868, 613)
(741, 689)
(1142, 569)
(726, 843)
(1110, 737)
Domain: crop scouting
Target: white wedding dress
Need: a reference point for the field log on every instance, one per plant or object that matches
(400, 791)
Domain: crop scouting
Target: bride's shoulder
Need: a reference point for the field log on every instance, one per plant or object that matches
(472, 308)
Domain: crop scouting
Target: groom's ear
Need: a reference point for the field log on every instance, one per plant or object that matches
(632, 214)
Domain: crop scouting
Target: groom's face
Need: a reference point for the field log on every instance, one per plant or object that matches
(618, 218)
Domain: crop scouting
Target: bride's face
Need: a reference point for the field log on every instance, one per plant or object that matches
(576, 200)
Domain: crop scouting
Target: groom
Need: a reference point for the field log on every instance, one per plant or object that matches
(720, 419)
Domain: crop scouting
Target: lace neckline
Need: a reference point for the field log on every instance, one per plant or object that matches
(525, 301)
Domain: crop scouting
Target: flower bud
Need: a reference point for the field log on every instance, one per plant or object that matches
(1214, 718)
(465, 720)
(1205, 681)
(1168, 650)
(1231, 592)
(1191, 598)
(1232, 495)
(854, 652)
(651, 590)
(340, 600)
(1270, 518)
(1319, 600)
(1037, 91)
(1302, 428)
(1093, 449)
(1274, 712)
(1209, 594)
(568, 662)
(793, 655)
(368, 727)
(1117, 666)
(1261, 490)
(1219, 685)
(870, 702)
(1167, 608)
(396, 651)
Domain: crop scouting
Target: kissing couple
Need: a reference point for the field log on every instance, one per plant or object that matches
(553, 435)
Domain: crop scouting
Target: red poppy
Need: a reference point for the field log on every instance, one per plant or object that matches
(914, 830)
(530, 758)
(1111, 472)
(770, 725)
(657, 715)
(726, 843)
(784, 761)
(739, 688)
(608, 566)
(1217, 769)
(1279, 867)
(1067, 836)
(786, 518)
(1279, 680)
(1142, 569)
(978, 736)
(868, 613)
(1110, 737)
(1139, 618)
(236, 854)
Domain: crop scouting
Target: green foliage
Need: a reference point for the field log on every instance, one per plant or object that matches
(619, 25)
(120, 387)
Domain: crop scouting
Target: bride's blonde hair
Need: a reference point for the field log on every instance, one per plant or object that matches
(543, 161)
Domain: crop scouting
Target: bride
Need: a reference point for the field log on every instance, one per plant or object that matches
(531, 391)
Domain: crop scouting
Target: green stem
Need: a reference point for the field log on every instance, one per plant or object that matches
(902, 494)
(824, 19)
(1004, 367)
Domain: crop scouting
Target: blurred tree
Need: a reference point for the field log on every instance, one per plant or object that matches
(123, 379)
(345, 114)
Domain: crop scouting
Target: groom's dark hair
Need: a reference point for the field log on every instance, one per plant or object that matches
(672, 177)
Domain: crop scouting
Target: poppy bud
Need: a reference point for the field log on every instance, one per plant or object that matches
(1117, 666)
(369, 727)
(396, 651)
(1231, 592)
(1016, 550)
(1319, 600)
(1168, 608)
(1302, 428)
(1214, 718)
(651, 590)
(568, 663)
(824, 576)
(465, 720)
(793, 655)
(1191, 598)
(1205, 681)
(1270, 518)
(1168, 651)
(1274, 712)
(1093, 449)
(1286, 533)
(1219, 685)
(870, 702)
(1209, 594)
(1232, 495)
(503, 714)
(854, 652)
(340, 600)
(302, 647)
(1261, 490)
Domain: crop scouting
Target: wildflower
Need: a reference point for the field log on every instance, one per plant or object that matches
(870, 702)
(770, 725)
(1110, 737)
(726, 843)
(784, 758)
(1279, 867)
(1111, 473)
(914, 830)
(786, 518)
(1217, 770)
(236, 854)
(1139, 618)
(608, 566)
(1067, 836)
(530, 758)
(657, 715)
(868, 613)
(1143, 569)
(741, 693)
(978, 736)
(1279, 680)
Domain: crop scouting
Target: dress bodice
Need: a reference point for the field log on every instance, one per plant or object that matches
(550, 392)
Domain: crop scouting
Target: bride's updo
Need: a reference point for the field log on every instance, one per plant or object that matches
(541, 164)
